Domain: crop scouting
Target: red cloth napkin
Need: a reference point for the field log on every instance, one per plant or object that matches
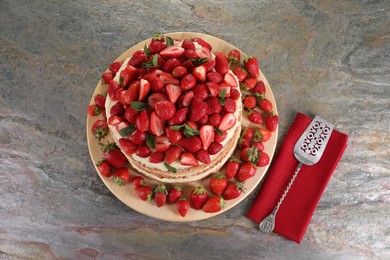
(295, 212)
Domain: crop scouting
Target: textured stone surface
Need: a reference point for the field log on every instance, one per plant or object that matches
(321, 57)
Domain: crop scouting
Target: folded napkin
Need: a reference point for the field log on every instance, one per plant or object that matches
(300, 202)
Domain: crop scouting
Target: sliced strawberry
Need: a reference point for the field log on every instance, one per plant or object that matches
(203, 53)
(162, 143)
(156, 124)
(227, 121)
(165, 109)
(188, 44)
(114, 120)
(188, 159)
(132, 93)
(167, 78)
(173, 92)
(230, 80)
(172, 154)
(172, 52)
(121, 125)
(142, 122)
(226, 88)
(127, 75)
(187, 99)
(179, 117)
(202, 42)
(154, 98)
(144, 89)
(213, 88)
(190, 54)
(113, 87)
(207, 135)
(200, 73)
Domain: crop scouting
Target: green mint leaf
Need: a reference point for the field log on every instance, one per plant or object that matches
(155, 60)
(176, 127)
(170, 168)
(119, 181)
(126, 131)
(168, 41)
(121, 81)
(219, 131)
(139, 106)
(199, 61)
(147, 51)
(222, 96)
(189, 131)
(151, 141)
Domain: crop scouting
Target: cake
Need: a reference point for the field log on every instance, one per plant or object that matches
(174, 109)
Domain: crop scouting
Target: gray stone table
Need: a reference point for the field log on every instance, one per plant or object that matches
(321, 57)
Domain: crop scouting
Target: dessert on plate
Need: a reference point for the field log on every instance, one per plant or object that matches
(174, 108)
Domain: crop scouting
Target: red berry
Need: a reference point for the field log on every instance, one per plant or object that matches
(246, 171)
(231, 168)
(203, 156)
(174, 193)
(233, 190)
(214, 204)
(263, 160)
(218, 183)
(104, 168)
(182, 206)
(198, 197)
(215, 148)
(250, 102)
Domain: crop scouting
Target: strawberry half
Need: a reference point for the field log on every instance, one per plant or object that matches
(172, 52)
(188, 159)
(207, 134)
(227, 122)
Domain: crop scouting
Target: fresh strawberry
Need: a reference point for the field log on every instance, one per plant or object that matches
(121, 176)
(144, 192)
(234, 56)
(189, 65)
(230, 105)
(240, 74)
(131, 114)
(263, 160)
(214, 76)
(263, 135)
(133, 93)
(182, 206)
(203, 53)
(165, 110)
(100, 129)
(198, 109)
(127, 146)
(247, 133)
(248, 83)
(172, 154)
(179, 72)
(172, 52)
(235, 94)
(173, 135)
(233, 190)
(250, 154)
(265, 105)
(156, 46)
(156, 124)
(144, 89)
(162, 143)
(222, 63)
(198, 197)
(173, 92)
(218, 183)
(191, 144)
(128, 75)
(202, 42)
(203, 156)
(138, 137)
(190, 54)
(188, 44)
(272, 121)
(209, 64)
(156, 157)
(230, 80)
(104, 168)
(156, 84)
(200, 91)
(200, 73)
(174, 193)
(231, 168)
(258, 145)
(142, 122)
(114, 120)
(243, 143)
(113, 87)
(255, 117)
(250, 101)
(137, 181)
(117, 109)
(187, 98)
(93, 110)
(138, 58)
(214, 204)
(187, 82)
(167, 78)
(160, 194)
(227, 121)
(252, 66)
(143, 151)
(246, 171)
(215, 120)
(215, 148)
(179, 117)
(220, 137)
(259, 88)
(100, 101)
(206, 135)
(170, 65)
(213, 88)
(213, 106)
(115, 66)
(113, 155)
(107, 76)
(154, 98)
(188, 159)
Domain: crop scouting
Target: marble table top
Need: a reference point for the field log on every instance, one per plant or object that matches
(330, 58)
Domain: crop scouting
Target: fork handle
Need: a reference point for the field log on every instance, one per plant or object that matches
(289, 184)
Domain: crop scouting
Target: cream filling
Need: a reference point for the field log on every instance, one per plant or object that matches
(176, 164)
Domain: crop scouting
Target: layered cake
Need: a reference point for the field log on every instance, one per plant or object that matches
(174, 108)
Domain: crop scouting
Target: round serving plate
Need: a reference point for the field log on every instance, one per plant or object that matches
(168, 212)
